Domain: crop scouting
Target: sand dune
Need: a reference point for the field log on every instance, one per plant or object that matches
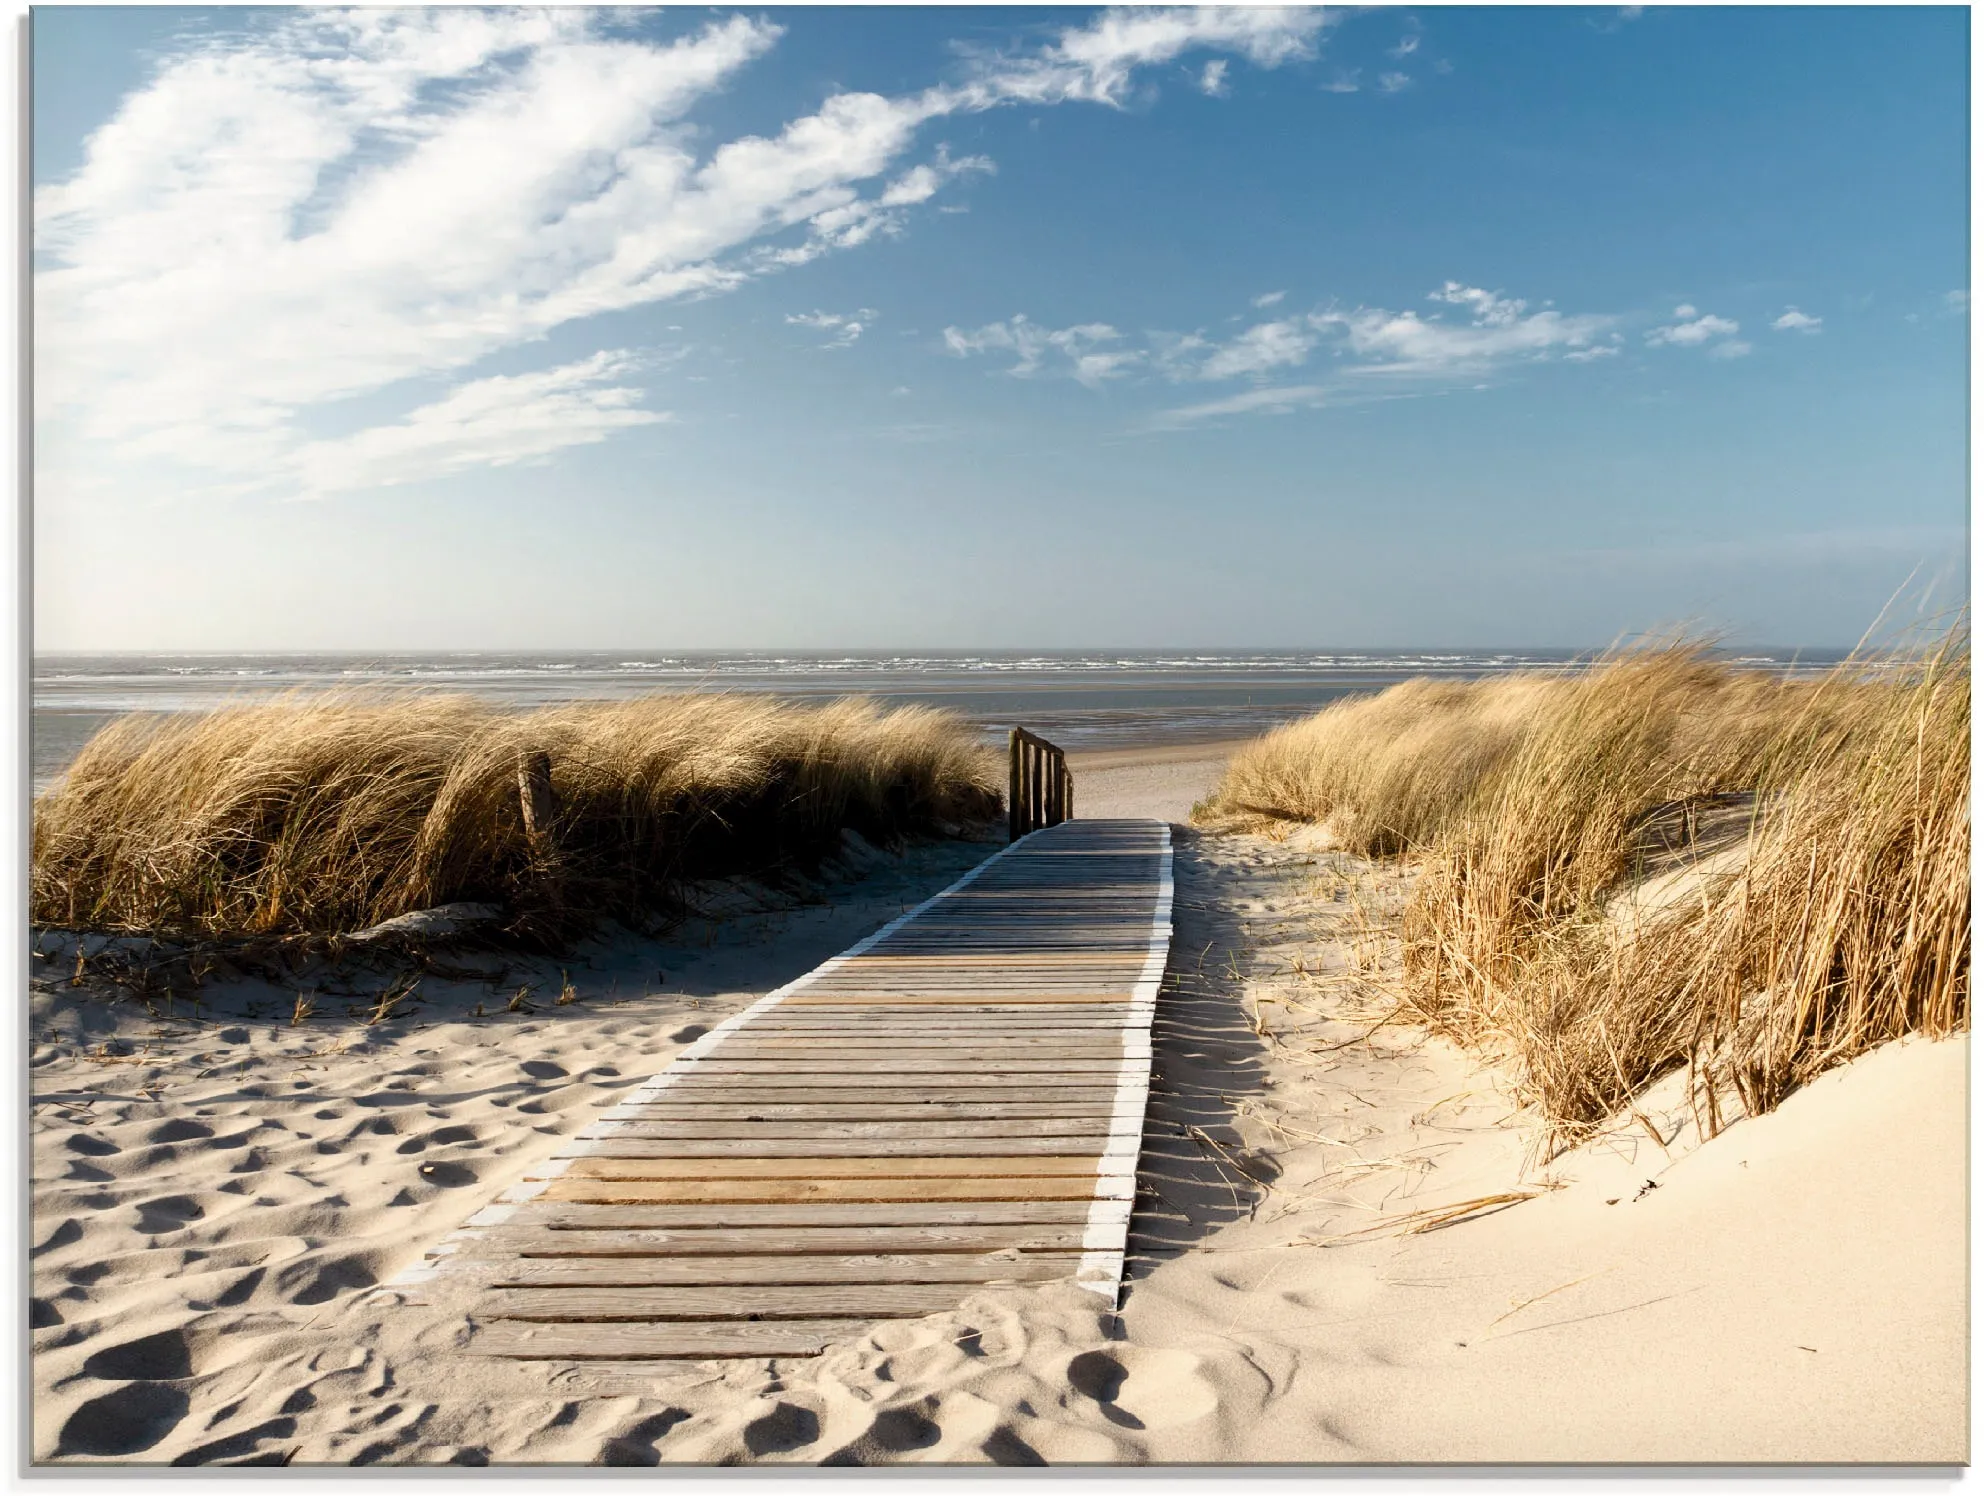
(215, 1207)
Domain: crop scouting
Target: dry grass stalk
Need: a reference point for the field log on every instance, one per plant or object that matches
(335, 813)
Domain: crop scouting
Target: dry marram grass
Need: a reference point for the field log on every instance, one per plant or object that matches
(1528, 802)
(333, 813)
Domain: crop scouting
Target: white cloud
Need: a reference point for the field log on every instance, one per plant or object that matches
(1693, 328)
(1269, 298)
(1734, 348)
(844, 328)
(1097, 62)
(1956, 303)
(1343, 83)
(1265, 346)
(1082, 348)
(1212, 82)
(1403, 348)
(336, 204)
(1499, 330)
(1272, 400)
(1407, 45)
(1794, 320)
(1393, 82)
(495, 422)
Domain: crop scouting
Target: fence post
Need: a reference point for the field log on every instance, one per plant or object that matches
(540, 805)
(1013, 832)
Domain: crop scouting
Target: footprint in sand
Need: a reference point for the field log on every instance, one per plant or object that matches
(1142, 1388)
(785, 1428)
(895, 1431)
(171, 1213)
(450, 1176)
(178, 1130)
(127, 1420)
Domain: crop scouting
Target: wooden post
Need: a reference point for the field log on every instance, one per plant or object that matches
(1040, 788)
(1013, 832)
(540, 806)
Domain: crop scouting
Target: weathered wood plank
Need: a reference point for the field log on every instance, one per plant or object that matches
(990, 1133)
(793, 1269)
(1060, 1144)
(913, 1214)
(988, 1166)
(923, 1062)
(699, 1342)
(952, 1089)
(754, 1108)
(591, 1305)
(585, 1190)
(767, 1243)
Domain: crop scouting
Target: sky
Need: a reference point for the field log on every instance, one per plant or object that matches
(957, 328)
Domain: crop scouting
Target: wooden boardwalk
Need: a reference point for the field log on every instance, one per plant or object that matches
(956, 1101)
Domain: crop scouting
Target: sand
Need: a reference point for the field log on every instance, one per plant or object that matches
(215, 1207)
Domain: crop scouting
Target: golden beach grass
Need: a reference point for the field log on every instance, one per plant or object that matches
(1525, 802)
(330, 814)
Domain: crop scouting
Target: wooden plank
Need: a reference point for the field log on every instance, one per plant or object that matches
(1061, 1143)
(767, 1243)
(921, 1062)
(925, 999)
(742, 1047)
(590, 1305)
(754, 1108)
(794, 1269)
(989, 1166)
(868, 1191)
(914, 1214)
(991, 1131)
(701, 1342)
(865, 1090)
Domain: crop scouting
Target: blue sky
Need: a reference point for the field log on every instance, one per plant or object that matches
(960, 328)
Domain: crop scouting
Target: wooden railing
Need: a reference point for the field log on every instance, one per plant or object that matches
(1040, 790)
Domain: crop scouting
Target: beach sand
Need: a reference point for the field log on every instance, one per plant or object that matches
(217, 1198)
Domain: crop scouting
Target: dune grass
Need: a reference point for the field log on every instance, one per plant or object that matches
(1524, 802)
(329, 814)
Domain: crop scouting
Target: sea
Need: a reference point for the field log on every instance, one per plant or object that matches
(1084, 701)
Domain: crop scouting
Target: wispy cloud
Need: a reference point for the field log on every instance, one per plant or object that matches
(843, 329)
(485, 423)
(1085, 351)
(1265, 346)
(1268, 400)
(1393, 82)
(1794, 320)
(1268, 299)
(1368, 348)
(1498, 329)
(1693, 327)
(334, 204)
(1620, 18)
(1212, 79)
